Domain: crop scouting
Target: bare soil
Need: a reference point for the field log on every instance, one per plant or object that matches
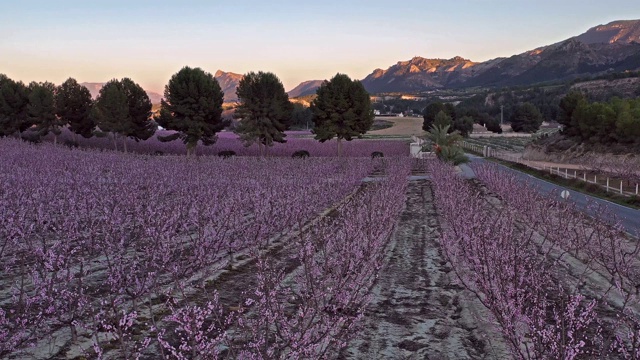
(417, 310)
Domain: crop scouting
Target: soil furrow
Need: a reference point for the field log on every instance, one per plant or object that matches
(417, 310)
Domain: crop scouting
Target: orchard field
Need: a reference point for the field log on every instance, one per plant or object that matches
(123, 256)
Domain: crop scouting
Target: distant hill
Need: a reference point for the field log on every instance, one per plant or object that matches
(94, 89)
(613, 47)
(228, 82)
(305, 88)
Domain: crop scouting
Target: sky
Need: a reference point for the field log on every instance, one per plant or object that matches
(148, 41)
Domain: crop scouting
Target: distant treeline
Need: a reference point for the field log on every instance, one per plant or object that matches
(486, 106)
(616, 121)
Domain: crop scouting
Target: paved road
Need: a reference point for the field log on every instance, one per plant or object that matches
(630, 218)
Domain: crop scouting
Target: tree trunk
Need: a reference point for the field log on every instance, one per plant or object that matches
(115, 142)
(339, 147)
(55, 139)
(191, 148)
(124, 142)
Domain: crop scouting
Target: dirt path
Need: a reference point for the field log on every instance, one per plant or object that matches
(417, 310)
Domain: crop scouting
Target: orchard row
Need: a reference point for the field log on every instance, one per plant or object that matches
(559, 284)
(124, 256)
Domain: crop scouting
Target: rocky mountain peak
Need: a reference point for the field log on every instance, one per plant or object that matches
(622, 31)
(228, 82)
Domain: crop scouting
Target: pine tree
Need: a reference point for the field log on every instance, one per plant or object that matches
(73, 107)
(14, 99)
(342, 110)
(41, 110)
(111, 110)
(192, 106)
(264, 110)
(526, 118)
(140, 125)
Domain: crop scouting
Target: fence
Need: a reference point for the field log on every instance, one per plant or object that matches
(608, 183)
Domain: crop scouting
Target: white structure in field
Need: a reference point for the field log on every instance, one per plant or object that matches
(415, 148)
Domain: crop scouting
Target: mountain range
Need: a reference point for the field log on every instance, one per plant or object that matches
(612, 47)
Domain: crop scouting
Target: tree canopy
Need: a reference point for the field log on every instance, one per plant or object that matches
(14, 99)
(526, 118)
(342, 110)
(616, 121)
(192, 106)
(432, 110)
(463, 124)
(73, 107)
(264, 110)
(567, 106)
(110, 110)
(301, 117)
(140, 126)
(123, 108)
(41, 110)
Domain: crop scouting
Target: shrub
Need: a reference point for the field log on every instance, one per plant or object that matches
(32, 137)
(301, 154)
(377, 154)
(71, 144)
(633, 200)
(158, 153)
(226, 153)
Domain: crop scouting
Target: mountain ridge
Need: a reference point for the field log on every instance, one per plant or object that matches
(305, 88)
(611, 47)
(228, 83)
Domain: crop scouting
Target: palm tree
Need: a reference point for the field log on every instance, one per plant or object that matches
(445, 145)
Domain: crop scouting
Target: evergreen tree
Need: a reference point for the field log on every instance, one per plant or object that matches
(111, 111)
(567, 106)
(342, 109)
(14, 99)
(301, 117)
(433, 109)
(526, 118)
(192, 106)
(73, 107)
(264, 110)
(464, 125)
(140, 125)
(493, 125)
(41, 110)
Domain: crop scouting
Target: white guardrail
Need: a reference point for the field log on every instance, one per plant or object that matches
(488, 152)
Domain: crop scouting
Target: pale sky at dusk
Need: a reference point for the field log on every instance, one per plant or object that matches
(148, 41)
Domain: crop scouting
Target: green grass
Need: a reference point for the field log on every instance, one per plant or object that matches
(381, 124)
